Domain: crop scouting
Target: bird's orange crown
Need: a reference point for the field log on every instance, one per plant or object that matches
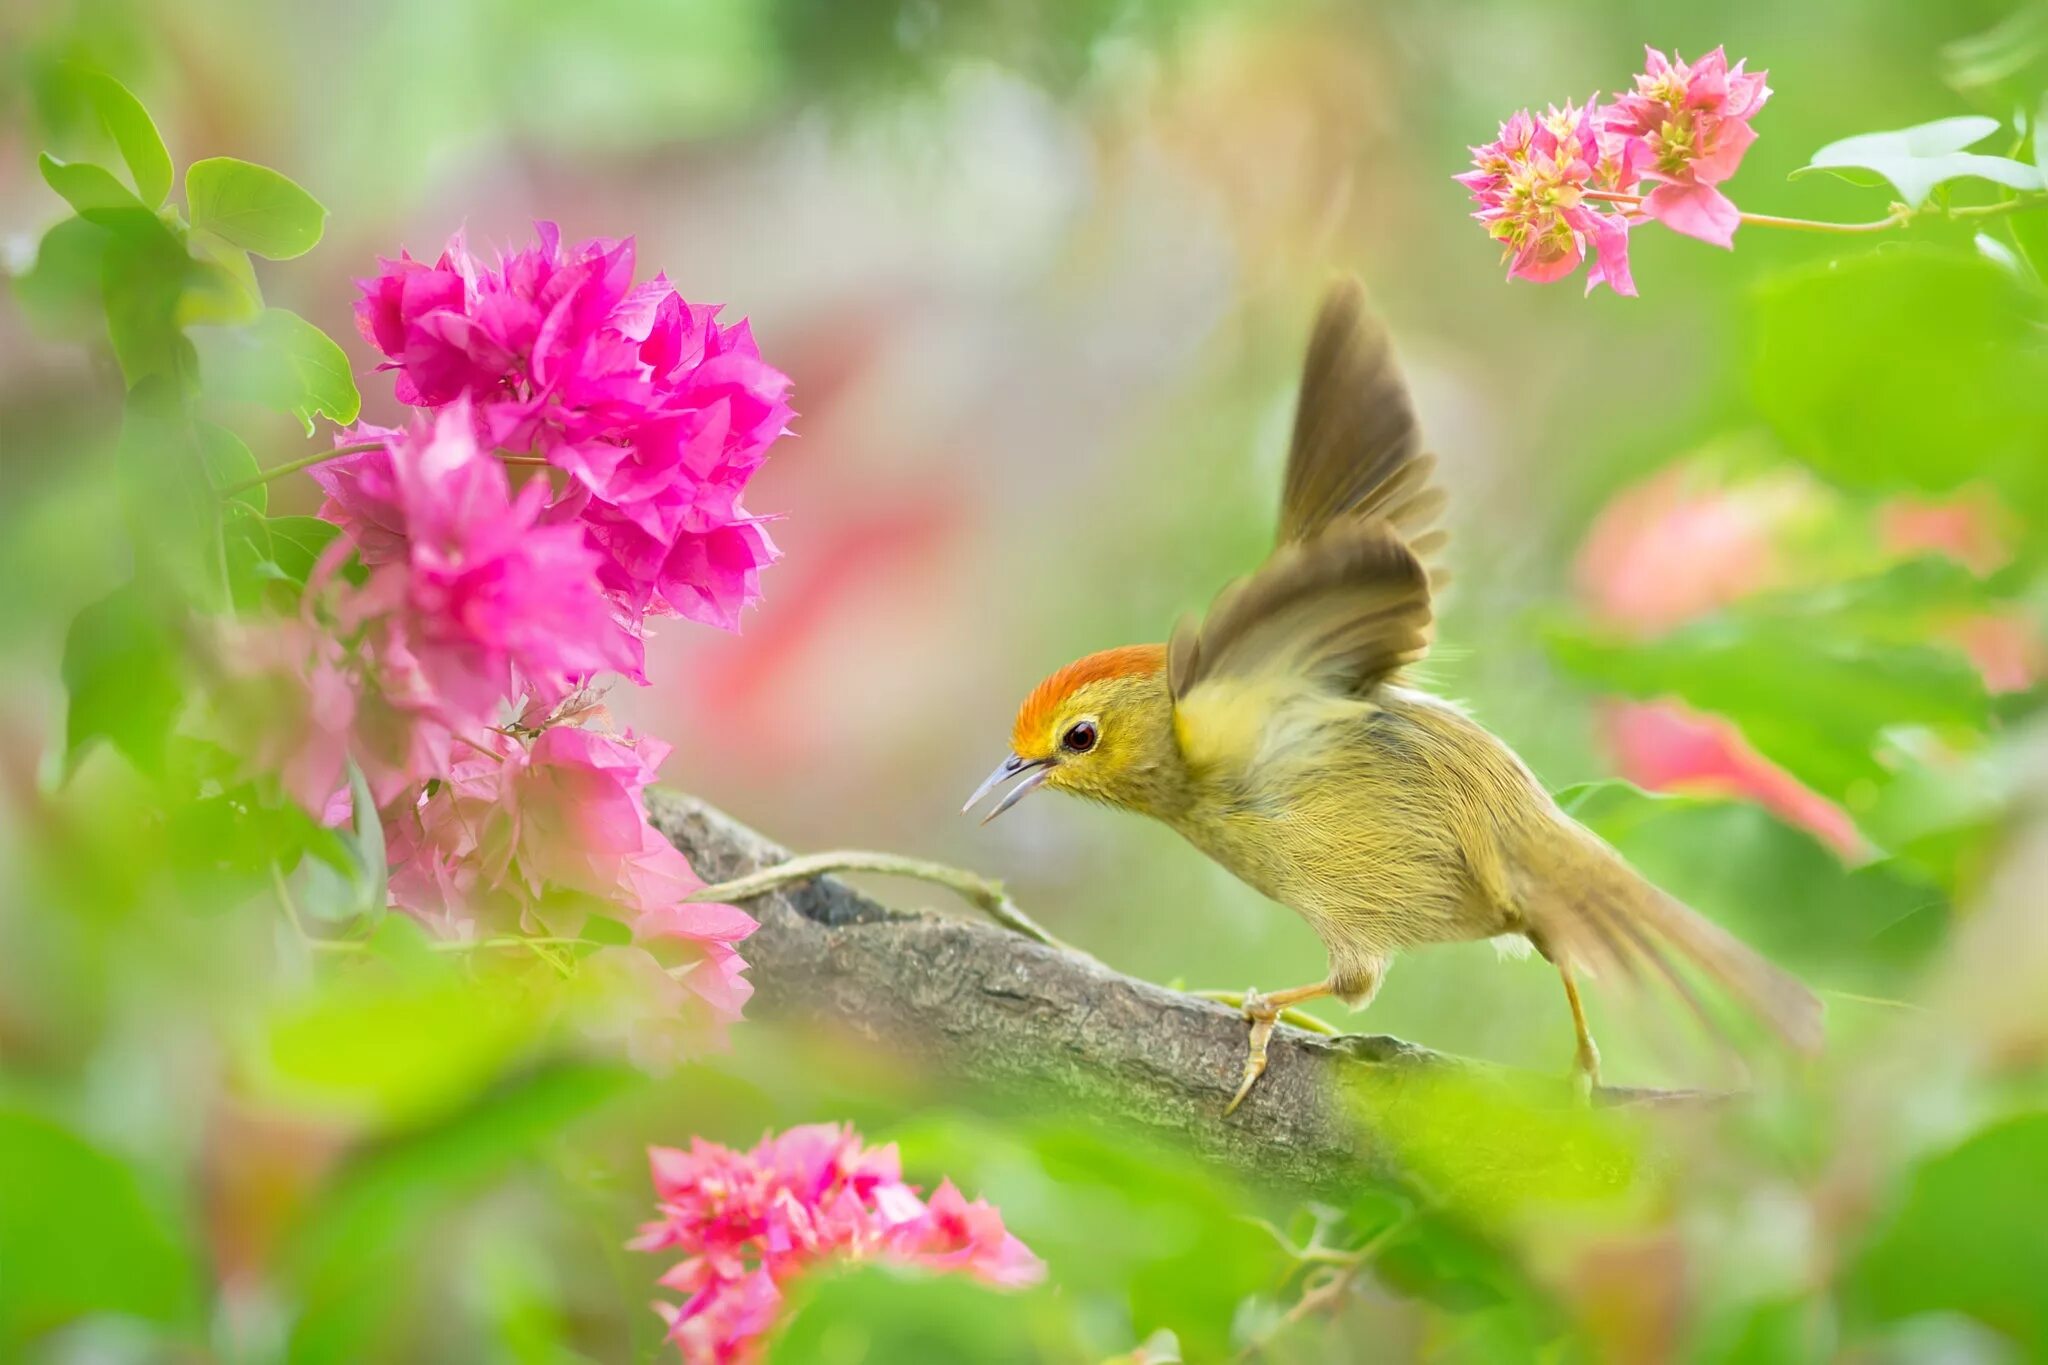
(1035, 716)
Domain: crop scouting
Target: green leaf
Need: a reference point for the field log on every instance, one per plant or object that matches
(173, 513)
(1739, 865)
(228, 462)
(1814, 679)
(142, 281)
(369, 830)
(121, 678)
(60, 293)
(362, 1266)
(222, 288)
(282, 362)
(90, 189)
(895, 1313)
(1909, 369)
(253, 206)
(1970, 1237)
(298, 543)
(124, 120)
(1915, 160)
(78, 1237)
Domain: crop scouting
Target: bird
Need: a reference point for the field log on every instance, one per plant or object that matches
(1281, 735)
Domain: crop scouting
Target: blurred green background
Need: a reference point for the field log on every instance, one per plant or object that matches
(1042, 276)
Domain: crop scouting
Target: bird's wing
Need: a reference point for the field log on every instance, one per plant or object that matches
(1330, 617)
(1357, 449)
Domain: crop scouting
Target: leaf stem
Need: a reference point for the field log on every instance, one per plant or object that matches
(521, 942)
(358, 448)
(1900, 216)
(294, 466)
(982, 892)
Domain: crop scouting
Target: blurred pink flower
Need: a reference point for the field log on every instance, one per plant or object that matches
(748, 1222)
(1530, 184)
(538, 834)
(1669, 747)
(1677, 546)
(1673, 548)
(1692, 125)
(659, 415)
(284, 704)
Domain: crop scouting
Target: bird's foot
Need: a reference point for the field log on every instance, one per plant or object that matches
(1263, 1012)
(1585, 1071)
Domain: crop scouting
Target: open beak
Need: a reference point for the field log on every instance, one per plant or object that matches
(1029, 774)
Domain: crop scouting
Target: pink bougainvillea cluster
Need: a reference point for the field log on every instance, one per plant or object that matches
(747, 1222)
(1567, 185)
(577, 471)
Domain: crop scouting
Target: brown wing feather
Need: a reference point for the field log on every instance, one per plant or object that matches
(1339, 612)
(1357, 448)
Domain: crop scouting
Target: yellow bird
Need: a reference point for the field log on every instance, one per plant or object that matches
(1278, 737)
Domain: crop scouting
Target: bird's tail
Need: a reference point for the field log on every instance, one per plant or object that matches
(1601, 914)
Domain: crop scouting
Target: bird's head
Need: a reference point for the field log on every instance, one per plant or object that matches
(1102, 727)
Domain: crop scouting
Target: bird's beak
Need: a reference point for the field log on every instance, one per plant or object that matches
(1030, 772)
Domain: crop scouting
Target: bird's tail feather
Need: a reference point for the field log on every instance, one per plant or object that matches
(1604, 916)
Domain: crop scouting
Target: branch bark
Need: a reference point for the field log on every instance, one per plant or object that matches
(995, 1009)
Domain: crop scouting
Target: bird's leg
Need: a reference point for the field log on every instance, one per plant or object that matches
(1585, 1061)
(1264, 1012)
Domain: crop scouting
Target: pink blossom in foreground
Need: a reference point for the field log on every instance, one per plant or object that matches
(1531, 183)
(537, 834)
(657, 413)
(747, 1222)
(1692, 124)
(284, 703)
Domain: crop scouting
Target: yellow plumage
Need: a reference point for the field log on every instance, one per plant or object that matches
(1276, 736)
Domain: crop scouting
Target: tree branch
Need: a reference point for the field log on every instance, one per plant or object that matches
(997, 1009)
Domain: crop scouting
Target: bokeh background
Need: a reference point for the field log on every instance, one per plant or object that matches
(1042, 275)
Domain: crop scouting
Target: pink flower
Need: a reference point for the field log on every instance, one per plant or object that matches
(1665, 746)
(747, 1223)
(957, 1235)
(1531, 185)
(541, 833)
(283, 702)
(487, 599)
(657, 413)
(1691, 125)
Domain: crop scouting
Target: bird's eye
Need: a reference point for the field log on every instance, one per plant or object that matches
(1079, 738)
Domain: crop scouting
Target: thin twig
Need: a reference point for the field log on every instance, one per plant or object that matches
(981, 892)
(307, 462)
(1348, 1266)
(522, 942)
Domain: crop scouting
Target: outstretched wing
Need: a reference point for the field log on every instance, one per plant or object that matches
(1344, 599)
(1357, 449)
(1337, 614)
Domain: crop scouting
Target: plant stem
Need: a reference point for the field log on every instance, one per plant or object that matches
(1900, 215)
(454, 945)
(977, 890)
(359, 448)
(294, 466)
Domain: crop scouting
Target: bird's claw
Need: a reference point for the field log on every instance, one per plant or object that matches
(1263, 1014)
(1586, 1071)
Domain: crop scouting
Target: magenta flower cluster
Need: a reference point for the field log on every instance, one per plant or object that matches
(579, 469)
(748, 1222)
(1559, 188)
(656, 414)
